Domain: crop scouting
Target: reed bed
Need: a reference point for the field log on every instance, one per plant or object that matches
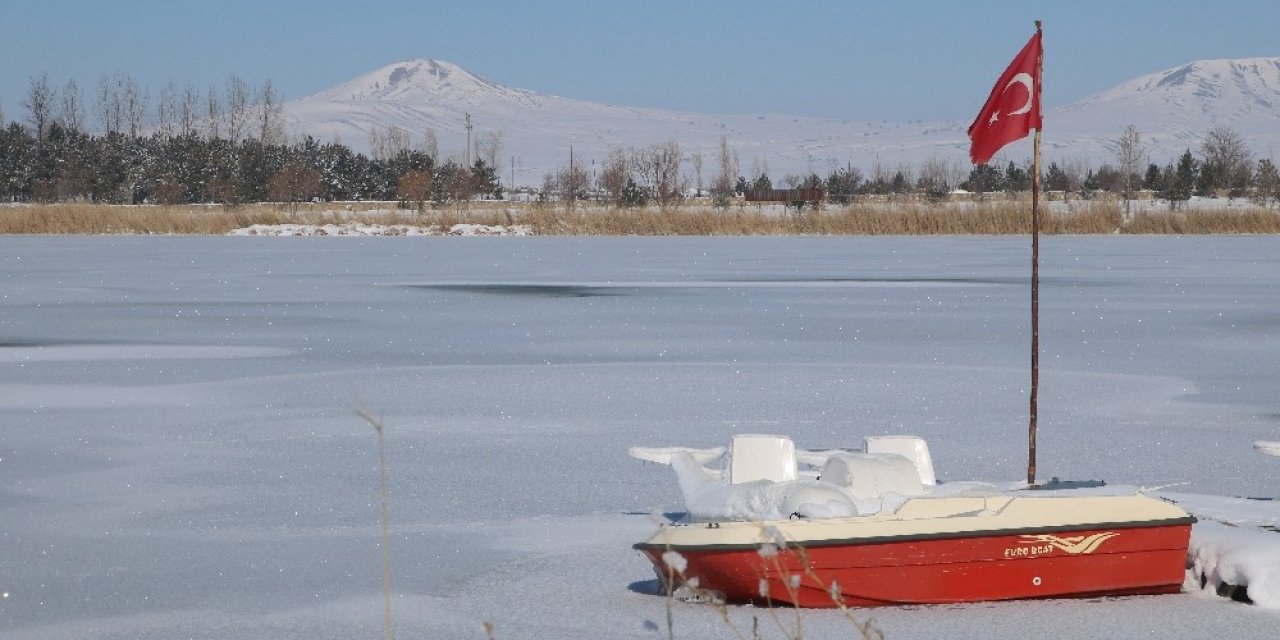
(1001, 217)
(93, 219)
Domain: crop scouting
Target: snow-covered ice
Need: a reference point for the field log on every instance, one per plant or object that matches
(180, 455)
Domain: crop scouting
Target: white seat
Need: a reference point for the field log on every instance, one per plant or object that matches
(870, 476)
(912, 448)
(761, 457)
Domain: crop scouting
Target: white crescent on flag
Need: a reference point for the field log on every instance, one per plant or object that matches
(1025, 80)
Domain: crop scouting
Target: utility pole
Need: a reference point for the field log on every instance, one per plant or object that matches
(468, 140)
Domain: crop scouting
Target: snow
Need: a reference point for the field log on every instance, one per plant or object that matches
(1226, 555)
(1173, 109)
(181, 457)
(362, 229)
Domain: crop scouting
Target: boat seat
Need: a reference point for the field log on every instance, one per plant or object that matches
(870, 476)
(761, 457)
(913, 448)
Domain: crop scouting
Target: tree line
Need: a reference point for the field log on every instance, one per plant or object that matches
(226, 145)
(117, 168)
(232, 152)
(1222, 166)
(657, 174)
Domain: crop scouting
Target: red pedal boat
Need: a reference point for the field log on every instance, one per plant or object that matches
(913, 542)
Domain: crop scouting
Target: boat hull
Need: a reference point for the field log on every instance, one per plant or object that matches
(956, 567)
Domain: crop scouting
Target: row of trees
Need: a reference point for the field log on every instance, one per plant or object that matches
(628, 177)
(227, 145)
(637, 176)
(64, 164)
(1223, 165)
(235, 112)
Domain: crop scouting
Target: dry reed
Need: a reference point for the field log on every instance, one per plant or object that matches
(997, 217)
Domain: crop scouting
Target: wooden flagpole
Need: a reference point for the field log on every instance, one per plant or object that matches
(1035, 279)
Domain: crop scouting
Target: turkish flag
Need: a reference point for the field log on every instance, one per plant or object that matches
(1013, 108)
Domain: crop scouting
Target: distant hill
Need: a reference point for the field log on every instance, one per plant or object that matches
(1172, 109)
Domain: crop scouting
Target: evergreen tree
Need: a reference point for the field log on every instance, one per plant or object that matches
(1055, 179)
(633, 196)
(984, 178)
(899, 183)
(1266, 182)
(1016, 179)
(485, 180)
(1089, 186)
(1153, 181)
(17, 150)
(843, 184)
(1180, 188)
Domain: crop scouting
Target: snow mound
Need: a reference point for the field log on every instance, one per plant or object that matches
(1235, 545)
(1223, 556)
(364, 230)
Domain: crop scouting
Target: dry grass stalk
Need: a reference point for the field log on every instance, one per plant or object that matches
(376, 423)
(772, 555)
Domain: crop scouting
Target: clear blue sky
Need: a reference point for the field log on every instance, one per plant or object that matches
(882, 60)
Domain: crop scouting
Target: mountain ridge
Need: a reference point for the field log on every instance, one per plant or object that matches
(1173, 108)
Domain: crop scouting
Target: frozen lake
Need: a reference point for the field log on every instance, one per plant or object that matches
(179, 455)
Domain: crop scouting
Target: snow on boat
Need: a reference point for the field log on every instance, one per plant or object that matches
(874, 528)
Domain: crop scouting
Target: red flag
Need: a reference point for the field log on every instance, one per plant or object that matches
(1013, 108)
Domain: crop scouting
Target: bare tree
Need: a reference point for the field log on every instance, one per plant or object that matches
(135, 100)
(1076, 169)
(1129, 153)
(759, 167)
(239, 109)
(879, 176)
(270, 115)
(188, 107)
(213, 115)
(167, 111)
(39, 104)
(696, 161)
(389, 144)
(728, 159)
(933, 176)
(660, 167)
(2, 124)
(567, 185)
(616, 174)
(1225, 161)
(429, 144)
(109, 107)
(489, 148)
(71, 108)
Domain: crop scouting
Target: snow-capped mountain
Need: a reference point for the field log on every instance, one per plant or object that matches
(537, 130)
(1172, 109)
(433, 83)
